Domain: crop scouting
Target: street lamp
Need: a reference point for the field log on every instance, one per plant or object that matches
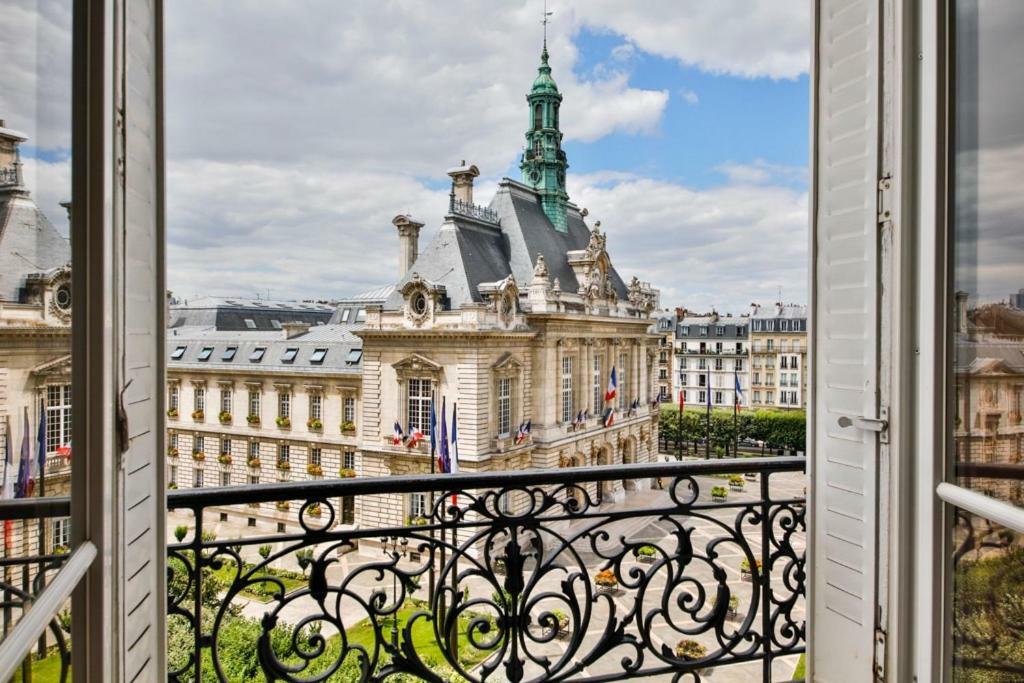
(396, 548)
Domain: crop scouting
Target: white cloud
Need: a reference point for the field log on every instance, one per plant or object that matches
(721, 247)
(749, 38)
(689, 96)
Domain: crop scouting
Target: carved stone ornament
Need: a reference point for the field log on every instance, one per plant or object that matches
(60, 294)
(421, 299)
(540, 270)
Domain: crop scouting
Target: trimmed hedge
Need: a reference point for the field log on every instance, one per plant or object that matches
(785, 429)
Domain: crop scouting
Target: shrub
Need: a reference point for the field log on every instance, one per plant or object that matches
(198, 415)
(224, 417)
(314, 423)
(252, 419)
(180, 532)
(736, 480)
(172, 412)
(690, 650)
(283, 422)
(606, 578)
(646, 551)
(264, 551)
(348, 426)
(314, 510)
(719, 492)
(314, 469)
(346, 473)
(304, 557)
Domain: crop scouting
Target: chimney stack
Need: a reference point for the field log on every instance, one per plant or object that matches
(408, 242)
(462, 181)
(294, 329)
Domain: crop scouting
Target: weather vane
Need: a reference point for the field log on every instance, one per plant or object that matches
(545, 22)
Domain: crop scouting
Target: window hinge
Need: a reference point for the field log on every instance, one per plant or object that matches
(879, 654)
(885, 199)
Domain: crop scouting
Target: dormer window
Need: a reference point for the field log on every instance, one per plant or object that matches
(250, 324)
(229, 354)
(419, 303)
(289, 355)
(257, 354)
(538, 116)
(178, 353)
(318, 356)
(205, 354)
(360, 315)
(354, 356)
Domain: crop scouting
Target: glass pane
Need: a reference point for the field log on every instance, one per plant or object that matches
(988, 595)
(988, 327)
(35, 313)
(988, 235)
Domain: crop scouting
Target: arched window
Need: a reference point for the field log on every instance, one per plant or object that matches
(538, 116)
(555, 117)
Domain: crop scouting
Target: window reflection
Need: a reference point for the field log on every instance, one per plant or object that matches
(988, 325)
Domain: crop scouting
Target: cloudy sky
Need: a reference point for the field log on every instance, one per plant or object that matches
(297, 130)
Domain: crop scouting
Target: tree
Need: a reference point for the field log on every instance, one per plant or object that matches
(304, 557)
(264, 551)
(180, 532)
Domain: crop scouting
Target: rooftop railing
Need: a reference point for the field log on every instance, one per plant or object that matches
(521, 576)
(480, 213)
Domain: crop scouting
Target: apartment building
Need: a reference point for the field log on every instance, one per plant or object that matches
(778, 356)
(712, 357)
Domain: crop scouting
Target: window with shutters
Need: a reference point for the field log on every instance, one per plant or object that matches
(420, 395)
(58, 417)
(504, 406)
(566, 390)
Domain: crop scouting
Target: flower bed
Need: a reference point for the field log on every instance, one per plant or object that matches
(719, 493)
(736, 482)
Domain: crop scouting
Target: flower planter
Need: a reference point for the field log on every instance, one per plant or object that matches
(172, 452)
(224, 459)
(736, 487)
(750, 476)
(224, 417)
(607, 590)
(284, 422)
(198, 455)
(314, 470)
(253, 420)
(173, 413)
(254, 462)
(346, 473)
(314, 425)
(198, 415)
(284, 466)
(645, 559)
(691, 651)
(719, 499)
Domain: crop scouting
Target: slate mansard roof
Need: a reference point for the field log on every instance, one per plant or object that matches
(467, 252)
(187, 346)
(230, 313)
(734, 328)
(28, 243)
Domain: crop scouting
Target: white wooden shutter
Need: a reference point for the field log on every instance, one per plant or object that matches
(141, 323)
(842, 572)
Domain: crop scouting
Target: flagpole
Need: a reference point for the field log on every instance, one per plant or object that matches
(432, 580)
(707, 429)
(679, 427)
(453, 633)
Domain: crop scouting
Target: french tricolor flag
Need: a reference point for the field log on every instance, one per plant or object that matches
(414, 439)
(613, 386)
(399, 436)
(609, 417)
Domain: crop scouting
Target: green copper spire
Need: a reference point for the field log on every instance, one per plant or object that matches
(543, 163)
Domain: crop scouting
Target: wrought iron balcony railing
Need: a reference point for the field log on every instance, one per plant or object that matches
(480, 213)
(523, 576)
(520, 576)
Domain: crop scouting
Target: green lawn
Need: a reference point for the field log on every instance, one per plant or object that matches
(799, 673)
(291, 580)
(422, 636)
(46, 670)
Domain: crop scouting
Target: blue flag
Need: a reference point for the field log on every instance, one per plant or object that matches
(453, 461)
(443, 457)
(41, 445)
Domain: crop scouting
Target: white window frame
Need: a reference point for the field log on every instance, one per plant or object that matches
(316, 406)
(504, 406)
(419, 395)
(566, 388)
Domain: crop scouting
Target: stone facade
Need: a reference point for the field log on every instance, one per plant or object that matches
(778, 357)
(712, 354)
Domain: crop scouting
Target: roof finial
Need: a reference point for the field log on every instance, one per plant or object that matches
(544, 21)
